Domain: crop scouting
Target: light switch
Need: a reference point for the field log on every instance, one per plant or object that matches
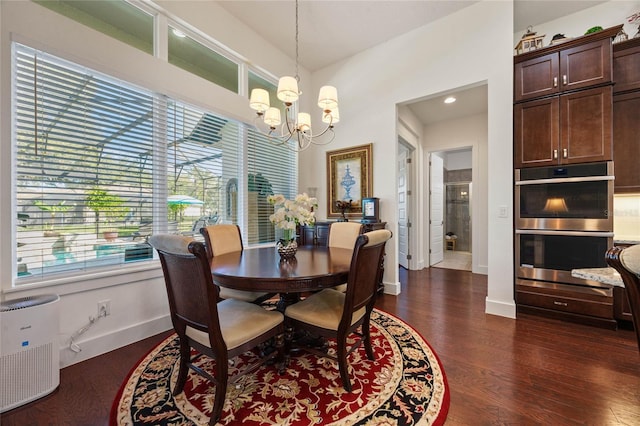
(502, 211)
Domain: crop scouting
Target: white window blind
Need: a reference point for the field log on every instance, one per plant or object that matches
(272, 169)
(95, 154)
(82, 165)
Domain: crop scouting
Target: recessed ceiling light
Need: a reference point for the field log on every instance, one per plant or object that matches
(178, 33)
(450, 100)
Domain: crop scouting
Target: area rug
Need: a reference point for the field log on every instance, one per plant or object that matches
(405, 385)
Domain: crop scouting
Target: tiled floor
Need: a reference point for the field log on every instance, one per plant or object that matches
(455, 260)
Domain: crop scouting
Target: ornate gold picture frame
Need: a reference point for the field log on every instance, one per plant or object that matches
(349, 177)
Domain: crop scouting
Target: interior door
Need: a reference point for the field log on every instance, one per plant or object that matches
(403, 207)
(436, 215)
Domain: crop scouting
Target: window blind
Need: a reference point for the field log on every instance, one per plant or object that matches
(95, 154)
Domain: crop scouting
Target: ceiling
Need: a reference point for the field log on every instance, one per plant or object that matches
(330, 31)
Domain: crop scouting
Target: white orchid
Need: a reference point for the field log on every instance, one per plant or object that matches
(290, 213)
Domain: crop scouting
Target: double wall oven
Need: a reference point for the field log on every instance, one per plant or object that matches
(564, 221)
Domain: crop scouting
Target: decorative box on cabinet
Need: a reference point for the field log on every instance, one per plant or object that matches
(565, 129)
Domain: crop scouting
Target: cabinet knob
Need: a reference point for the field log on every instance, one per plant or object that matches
(555, 81)
(555, 154)
(565, 153)
(555, 302)
(564, 79)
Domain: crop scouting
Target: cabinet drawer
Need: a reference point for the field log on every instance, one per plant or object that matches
(595, 302)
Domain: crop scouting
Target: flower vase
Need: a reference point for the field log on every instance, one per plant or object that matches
(287, 248)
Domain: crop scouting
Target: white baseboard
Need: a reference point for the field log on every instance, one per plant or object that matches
(99, 345)
(502, 309)
(392, 288)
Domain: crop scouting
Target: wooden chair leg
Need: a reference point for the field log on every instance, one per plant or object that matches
(185, 354)
(366, 337)
(341, 353)
(222, 378)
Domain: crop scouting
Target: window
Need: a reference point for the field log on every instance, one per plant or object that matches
(117, 19)
(95, 154)
(190, 55)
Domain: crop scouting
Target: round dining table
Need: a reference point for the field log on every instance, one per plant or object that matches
(261, 269)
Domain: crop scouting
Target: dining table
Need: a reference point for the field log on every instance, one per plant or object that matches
(262, 269)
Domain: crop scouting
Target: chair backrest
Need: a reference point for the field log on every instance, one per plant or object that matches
(192, 295)
(627, 262)
(344, 234)
(364, 272)
(222, 239)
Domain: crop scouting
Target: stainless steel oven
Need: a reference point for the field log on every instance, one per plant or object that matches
(544, 255)
(576, 197)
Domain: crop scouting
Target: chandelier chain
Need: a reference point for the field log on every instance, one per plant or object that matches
(297, 75)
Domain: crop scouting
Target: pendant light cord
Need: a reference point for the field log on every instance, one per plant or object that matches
(297, 75)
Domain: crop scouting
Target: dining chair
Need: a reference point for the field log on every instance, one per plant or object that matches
(226, 238)
(219, 330)
(627, 262)
(343, 235)
(333, 314)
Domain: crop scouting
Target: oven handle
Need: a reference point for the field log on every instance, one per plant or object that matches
(568, 233)
(565, 180)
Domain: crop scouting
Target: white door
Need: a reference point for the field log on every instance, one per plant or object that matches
(403, 207)
(436, 216)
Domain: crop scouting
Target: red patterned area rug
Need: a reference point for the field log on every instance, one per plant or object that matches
(405, 385)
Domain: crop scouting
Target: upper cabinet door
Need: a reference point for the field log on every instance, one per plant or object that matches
(536, 77)
(586, 65)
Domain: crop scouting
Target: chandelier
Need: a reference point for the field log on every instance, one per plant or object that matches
(269, 122)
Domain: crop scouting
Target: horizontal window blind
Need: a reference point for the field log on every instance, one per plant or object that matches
(102, 164)
(82, 164)
(272, 169)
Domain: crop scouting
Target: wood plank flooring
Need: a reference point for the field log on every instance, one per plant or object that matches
(528, 371)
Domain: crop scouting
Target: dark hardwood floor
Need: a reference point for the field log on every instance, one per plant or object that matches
(500, 371)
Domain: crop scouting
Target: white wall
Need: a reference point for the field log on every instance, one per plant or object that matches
(459, 160)
(469, 47)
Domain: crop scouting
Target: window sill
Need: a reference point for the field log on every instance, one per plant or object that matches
(80, 282)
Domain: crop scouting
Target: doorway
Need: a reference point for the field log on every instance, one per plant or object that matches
(456, 178)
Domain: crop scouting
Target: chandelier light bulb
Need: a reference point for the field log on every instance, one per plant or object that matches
(304, 122)
(259, 100)
(272, 117)
(328, 98)
(288, 89)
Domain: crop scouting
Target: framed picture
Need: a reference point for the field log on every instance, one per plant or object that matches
(349, 179)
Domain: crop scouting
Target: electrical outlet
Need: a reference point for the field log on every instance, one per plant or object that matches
(104, 308)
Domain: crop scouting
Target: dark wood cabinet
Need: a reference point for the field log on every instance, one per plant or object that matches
(626, 66)
(626, 146)
(566, 129)
(573, 65)
(583, 304)
(626, 116)
(318, 234)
